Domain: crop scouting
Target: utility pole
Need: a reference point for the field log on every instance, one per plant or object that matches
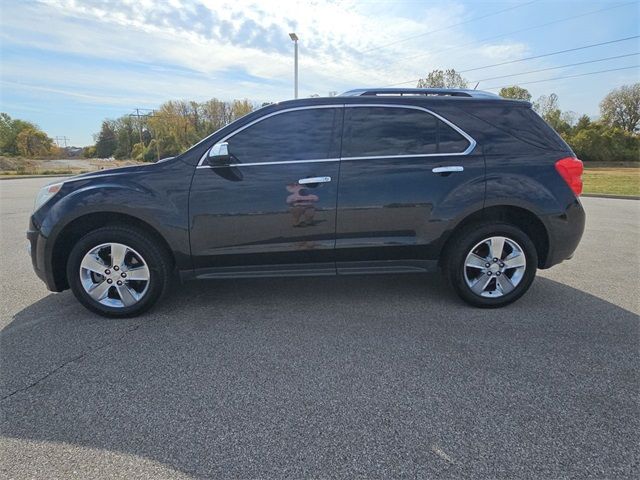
(294, 37)
(153, 113)
(61, 139)
(137, 114)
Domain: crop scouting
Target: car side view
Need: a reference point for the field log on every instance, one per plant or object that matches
(372, 181)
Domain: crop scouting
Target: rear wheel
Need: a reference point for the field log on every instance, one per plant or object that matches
(117, 271)
(491, 264)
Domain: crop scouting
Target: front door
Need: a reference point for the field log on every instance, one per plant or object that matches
(272, 208)
(405, 173)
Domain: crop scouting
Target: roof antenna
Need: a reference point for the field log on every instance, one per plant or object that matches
(476, 85)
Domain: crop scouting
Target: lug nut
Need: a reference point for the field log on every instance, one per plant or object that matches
(116, 268)
(123, 274)
(109, 280)
(495, 260)
(501, 265)
(107, 271)
(498, 274)
(489, 273)
(119, 282)
(487, 265)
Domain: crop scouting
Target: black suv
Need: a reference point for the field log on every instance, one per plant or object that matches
(372, 181)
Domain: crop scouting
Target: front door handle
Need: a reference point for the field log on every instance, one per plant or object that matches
(310, 180)
(452, 169)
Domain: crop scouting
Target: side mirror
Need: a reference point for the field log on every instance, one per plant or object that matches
(219, 154)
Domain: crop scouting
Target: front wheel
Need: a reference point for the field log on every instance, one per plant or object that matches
(491, 264)
(117, 271)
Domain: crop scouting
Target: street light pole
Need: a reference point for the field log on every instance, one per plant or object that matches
(294, 37)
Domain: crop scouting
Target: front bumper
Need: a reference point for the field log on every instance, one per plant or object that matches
(36, 247)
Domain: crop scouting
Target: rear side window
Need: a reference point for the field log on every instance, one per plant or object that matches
(309, 134)
(524, 124)
(389, 131)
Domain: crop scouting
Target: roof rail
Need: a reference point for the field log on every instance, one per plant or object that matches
(441, 92)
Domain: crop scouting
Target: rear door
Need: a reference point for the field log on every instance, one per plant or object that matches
(405, 174)
(272, 210)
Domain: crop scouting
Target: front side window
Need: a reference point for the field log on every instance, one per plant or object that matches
(308, 134)
(389, 131)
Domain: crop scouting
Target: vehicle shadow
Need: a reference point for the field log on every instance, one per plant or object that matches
(316, 377)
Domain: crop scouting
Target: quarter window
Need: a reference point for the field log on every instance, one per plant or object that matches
(309, 134)
(387, 131)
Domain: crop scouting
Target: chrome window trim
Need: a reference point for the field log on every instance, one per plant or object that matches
(467, 137)
(467, 151)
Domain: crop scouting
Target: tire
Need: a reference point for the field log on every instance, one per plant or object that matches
(504, 285)
(115, 291)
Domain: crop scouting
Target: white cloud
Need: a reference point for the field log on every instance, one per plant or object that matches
(229, 48)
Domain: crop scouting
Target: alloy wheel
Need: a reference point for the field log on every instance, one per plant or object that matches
(114, 275)
(494, 267)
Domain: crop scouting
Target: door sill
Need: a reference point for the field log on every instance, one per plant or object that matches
(258, 271)
(312, 270)
(386, 266)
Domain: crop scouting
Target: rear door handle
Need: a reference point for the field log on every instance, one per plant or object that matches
(307, 181)
(456, 168)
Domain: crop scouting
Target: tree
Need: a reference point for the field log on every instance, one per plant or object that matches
(546, 105)
(621, 108)
(583, 123)
(127, 136)
(89, 152)
(33, 142)
(10, 128)
(106, 142)
(239, 108)
(599, 142)
(443, 79)
(515, 92)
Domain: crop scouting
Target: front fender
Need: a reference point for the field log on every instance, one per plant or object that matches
(157, 197)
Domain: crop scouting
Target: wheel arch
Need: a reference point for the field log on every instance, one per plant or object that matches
(80, 226)
(520, 217)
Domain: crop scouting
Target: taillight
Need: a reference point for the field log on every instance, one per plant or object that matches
(570, 169)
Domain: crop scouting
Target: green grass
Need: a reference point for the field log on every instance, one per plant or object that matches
(614, 181)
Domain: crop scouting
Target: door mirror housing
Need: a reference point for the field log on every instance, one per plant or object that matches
(219, 154)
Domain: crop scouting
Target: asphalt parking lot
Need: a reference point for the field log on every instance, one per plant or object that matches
(376, 377)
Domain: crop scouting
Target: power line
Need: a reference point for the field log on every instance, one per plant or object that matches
(406, 39)
(555, 68)
(550, 54)
(530, 58)
(568, 76)
(560, 20)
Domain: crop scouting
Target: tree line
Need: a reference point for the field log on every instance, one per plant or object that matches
(21, 138)
(170, 130)
(615, 136)
(178, 124)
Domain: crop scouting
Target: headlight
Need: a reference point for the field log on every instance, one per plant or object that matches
(46, 193)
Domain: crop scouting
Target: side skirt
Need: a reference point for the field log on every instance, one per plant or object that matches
(309, 270)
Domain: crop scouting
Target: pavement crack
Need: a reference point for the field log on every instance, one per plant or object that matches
(77, 358)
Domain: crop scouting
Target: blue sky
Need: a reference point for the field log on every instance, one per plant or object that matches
(66, 65)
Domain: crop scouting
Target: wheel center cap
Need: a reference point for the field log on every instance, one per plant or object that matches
(494, 268)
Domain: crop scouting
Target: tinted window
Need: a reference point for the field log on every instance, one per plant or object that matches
(299, 135)
(450, 141)
(382, 131)
(522, 123)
